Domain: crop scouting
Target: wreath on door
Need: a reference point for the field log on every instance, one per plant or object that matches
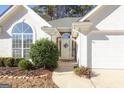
(66, 45)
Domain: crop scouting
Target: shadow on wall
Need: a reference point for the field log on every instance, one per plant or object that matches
(5, 35)
(11, 20)
(90, 38)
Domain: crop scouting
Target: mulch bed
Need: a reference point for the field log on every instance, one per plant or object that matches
(27, 83)
(15, 71)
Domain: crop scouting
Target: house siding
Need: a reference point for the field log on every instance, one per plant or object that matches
(106, 50)
(105, 47)
(20, 15)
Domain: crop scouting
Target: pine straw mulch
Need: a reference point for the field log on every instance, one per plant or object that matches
(34, 81)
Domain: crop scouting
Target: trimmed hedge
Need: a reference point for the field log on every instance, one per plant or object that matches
(2, 62)
(44, 53)
(16, 61)
(9, 61)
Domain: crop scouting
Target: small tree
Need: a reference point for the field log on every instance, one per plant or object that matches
(44, 53)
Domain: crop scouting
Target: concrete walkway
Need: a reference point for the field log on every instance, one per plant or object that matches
(103, 78)
(70, 80)
(64, 77)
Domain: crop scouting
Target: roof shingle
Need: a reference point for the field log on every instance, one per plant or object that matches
(64, 22)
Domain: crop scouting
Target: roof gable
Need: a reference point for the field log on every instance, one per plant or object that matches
(7, 13)
(6, 10)
(106, 17)
(114, 20)
(97, 8)
(15, 7)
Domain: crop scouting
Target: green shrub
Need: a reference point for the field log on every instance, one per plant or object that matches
(16, 61)
(82, 71)
(9, 62)
(77, 71)
(2, 62)
(24, 65)
(44, 53)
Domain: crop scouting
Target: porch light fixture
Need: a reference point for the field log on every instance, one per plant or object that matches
(75, 34)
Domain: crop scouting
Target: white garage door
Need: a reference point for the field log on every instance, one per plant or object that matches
(107, 51)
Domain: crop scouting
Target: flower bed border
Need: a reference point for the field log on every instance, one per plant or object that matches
(24, 77)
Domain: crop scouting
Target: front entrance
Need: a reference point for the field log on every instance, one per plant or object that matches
(67, 47)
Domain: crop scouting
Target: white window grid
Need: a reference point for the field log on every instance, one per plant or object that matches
(17, 44)
(22, 40)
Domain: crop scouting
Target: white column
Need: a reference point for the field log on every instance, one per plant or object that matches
(83, 28)
(83, 50)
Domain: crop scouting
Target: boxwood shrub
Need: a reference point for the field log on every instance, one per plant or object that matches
(16, 61)
(44, 53)
(24, 65)
(2, 62)
(9, 61)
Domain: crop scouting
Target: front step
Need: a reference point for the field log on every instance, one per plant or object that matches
(66, 60)
(69, 63)
(66, 66)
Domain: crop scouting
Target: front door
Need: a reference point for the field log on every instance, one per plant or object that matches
(66, 49)
(66, 46)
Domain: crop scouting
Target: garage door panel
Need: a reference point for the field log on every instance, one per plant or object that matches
(108, 53)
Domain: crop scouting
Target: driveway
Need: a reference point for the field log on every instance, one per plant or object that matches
(102, 78)
(108, 78)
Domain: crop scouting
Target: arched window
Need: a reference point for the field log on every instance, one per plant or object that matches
(66, 36)
(22, 38)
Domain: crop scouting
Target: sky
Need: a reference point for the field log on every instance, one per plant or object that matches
(4, 7)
